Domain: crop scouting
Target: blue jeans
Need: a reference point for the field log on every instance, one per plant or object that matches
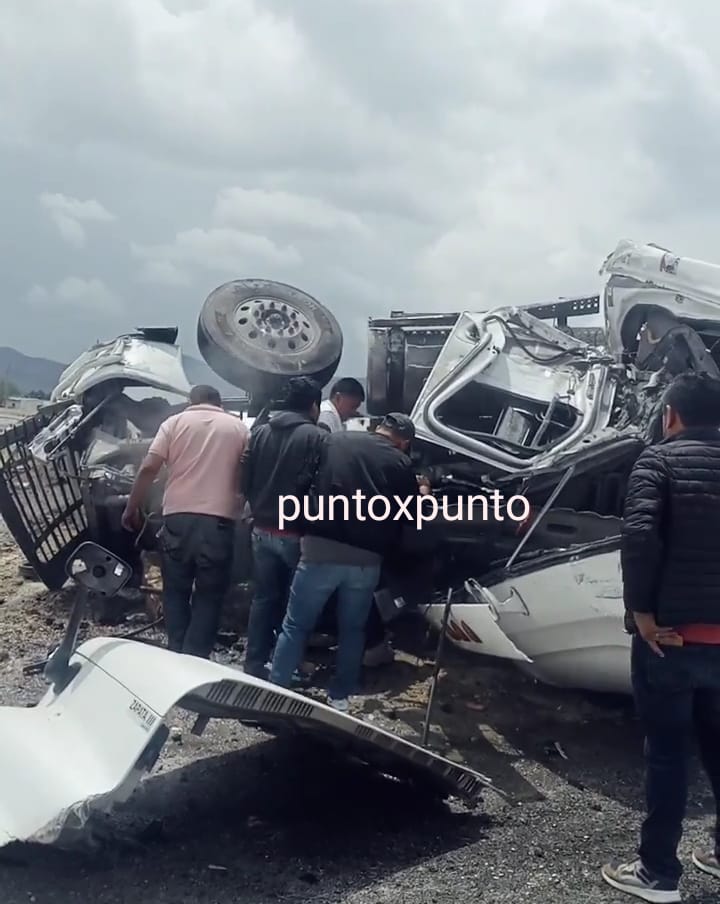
(313, 585)
(274, 560)
(678, 701)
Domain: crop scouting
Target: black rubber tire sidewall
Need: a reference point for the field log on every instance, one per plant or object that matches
(247, 364)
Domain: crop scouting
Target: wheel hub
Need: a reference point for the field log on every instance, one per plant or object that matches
(275, 325)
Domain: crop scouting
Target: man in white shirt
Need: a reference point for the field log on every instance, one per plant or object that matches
(346, 396)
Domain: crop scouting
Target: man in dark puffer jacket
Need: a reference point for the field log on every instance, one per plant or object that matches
(671, 577)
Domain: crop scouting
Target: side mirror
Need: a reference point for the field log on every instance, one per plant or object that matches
(97, 572)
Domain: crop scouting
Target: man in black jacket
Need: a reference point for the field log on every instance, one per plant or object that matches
(671, 576)
(281, 460)
(344, 544)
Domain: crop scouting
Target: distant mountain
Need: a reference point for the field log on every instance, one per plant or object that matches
(29, 374)
(41, 375)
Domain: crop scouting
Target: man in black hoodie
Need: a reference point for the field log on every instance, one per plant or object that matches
(344, 554)
(281, 460)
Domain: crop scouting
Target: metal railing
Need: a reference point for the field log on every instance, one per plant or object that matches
(41, 504)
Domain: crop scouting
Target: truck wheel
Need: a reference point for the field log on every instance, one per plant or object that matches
(256, 333)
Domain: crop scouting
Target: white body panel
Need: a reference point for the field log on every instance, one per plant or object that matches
(126, 359)
(567, 618)
(646, 275)
(665, 270)
(79, 751)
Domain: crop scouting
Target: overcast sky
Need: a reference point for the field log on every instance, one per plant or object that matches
(380, 154)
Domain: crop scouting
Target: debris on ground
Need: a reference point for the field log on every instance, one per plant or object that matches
(238, 803)
(555, 749)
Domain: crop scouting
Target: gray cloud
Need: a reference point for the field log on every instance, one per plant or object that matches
(378, 155)
(76, 294)
(71, 215)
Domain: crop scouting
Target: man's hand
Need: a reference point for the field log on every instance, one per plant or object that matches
(424, 485)
(148, 471)
(654, 636)
(130, 519)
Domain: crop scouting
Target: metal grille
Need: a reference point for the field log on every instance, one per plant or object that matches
(41, 505)
(272, 709)
(249, 697)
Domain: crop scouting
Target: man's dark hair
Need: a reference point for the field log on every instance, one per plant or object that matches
(300, 395)
(349, 386)
(696, 399)
(205, 395)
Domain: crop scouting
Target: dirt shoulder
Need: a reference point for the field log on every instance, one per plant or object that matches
(237, 817)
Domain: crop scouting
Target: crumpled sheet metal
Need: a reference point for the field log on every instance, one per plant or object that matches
(86, 749)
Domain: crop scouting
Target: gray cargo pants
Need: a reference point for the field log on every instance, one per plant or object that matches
(197, 556)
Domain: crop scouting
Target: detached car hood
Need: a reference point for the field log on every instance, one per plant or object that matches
(85, 748)
(514, 393)
(130, 360)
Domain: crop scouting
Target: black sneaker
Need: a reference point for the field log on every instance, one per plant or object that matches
(634, 879)
(707, 861)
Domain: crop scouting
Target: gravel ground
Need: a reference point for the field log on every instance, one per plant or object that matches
(238, 818)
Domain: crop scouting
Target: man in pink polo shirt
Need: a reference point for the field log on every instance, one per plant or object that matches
(201, 449)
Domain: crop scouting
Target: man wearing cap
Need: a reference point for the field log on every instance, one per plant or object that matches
(344, 546)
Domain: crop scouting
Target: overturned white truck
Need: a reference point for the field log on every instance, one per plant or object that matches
(501, 400)
(506, 400)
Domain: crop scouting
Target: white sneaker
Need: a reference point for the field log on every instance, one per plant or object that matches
(635, 880)
(707, 862)
(382, 654)
(341, 705)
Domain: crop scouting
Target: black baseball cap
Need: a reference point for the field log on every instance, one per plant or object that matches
(400, 424)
